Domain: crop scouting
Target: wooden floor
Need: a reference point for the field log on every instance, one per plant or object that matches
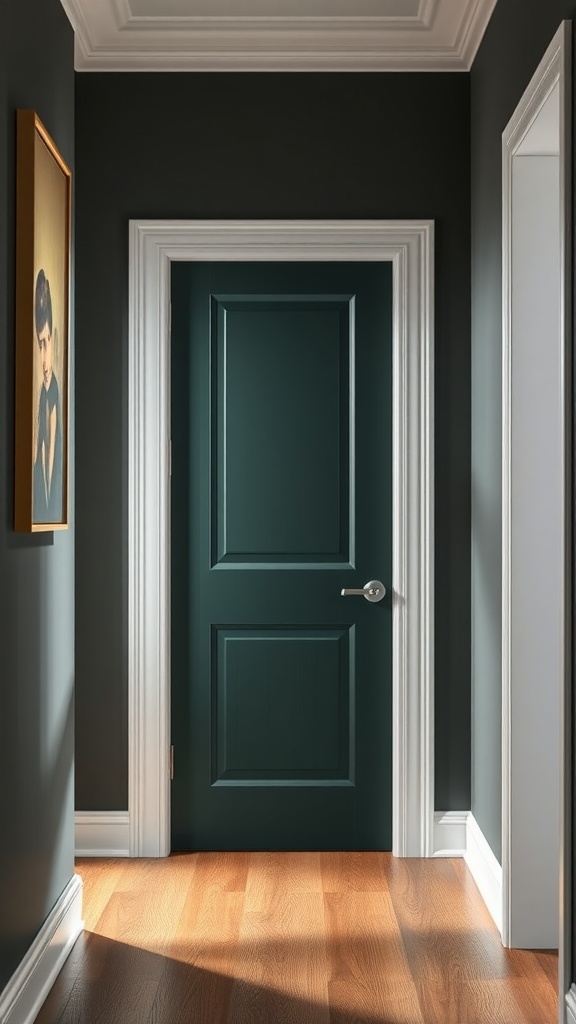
(306, 938)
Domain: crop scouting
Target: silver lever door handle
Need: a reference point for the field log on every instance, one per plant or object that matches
(372, 591)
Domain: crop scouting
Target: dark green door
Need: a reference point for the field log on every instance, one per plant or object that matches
(281, 496)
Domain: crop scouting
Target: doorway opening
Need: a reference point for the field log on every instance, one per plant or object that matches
(154, 245)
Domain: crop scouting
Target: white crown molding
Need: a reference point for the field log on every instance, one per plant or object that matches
(228, 61)
(474, 24)
(428, 12)
(32, 980)
(122, 12)
(444, 36)
(80, 19)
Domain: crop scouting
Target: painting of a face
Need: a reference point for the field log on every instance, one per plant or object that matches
(42, 318)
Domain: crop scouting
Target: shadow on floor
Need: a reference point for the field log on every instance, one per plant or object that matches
(109, 982)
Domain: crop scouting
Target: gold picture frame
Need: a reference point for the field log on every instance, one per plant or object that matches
(43, 225)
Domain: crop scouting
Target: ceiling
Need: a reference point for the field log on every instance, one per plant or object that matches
(277, 35)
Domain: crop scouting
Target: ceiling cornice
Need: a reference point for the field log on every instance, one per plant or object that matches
(444, 36)
(472, 29)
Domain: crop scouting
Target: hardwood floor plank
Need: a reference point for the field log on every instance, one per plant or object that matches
(355, 872)
(271, 873)
(115, 982)
(144, 911)
(501, 1002)
(222, 872)
(281, 971)
(370, 977)
(104, 878)
(199, 974)
(548, 962)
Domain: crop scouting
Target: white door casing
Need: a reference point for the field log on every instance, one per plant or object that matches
(536, 546)
(408, 245)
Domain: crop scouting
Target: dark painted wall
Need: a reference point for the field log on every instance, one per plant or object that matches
(509, 54)
(36, 572)
(259, 146)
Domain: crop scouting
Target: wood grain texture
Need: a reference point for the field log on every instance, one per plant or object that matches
(281, 964)
(370, 979)
(294, 938)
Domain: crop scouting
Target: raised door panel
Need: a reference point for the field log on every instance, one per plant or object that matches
(282, 441)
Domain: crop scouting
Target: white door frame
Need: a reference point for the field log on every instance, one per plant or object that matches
(408, 246)
(553, 70)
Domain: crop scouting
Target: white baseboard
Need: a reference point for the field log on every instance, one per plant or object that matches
(458, 834)
(102, 833)
(571, 1006)
(28, 987)
(485, 869)
(450, 833)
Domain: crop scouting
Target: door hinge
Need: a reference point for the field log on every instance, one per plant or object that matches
(172, 762)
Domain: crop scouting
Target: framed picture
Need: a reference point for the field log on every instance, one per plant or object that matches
(43, 215)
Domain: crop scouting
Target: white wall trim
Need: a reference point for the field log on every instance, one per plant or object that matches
(553, 68)
(570, 1001)
(408, 245)
(450, 833)
(81, 23)
(102, 833)
(473, 28)
(28, 987)
(485, 869)
(458, 834)
(443, 36)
